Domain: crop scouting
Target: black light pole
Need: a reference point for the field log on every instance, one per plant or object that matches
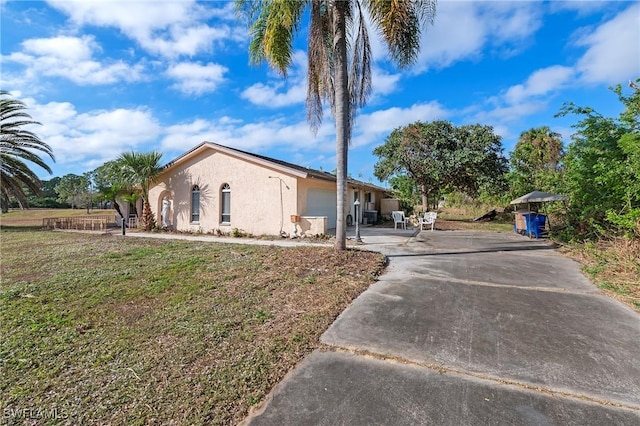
(358, 239)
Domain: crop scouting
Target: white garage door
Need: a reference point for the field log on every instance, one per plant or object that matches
(322, 202)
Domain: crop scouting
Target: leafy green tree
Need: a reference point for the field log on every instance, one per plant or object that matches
(406, 190)
(439, 157)
(536, 162)
(142, 169)
(47, 198)
(602, 175)
(481, 165)
(339, 57)
(17, 147)
(110, 182)
(75, 190)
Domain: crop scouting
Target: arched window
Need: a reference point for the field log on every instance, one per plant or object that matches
(225, 199)
(195, 203)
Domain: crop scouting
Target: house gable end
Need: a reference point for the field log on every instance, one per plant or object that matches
(194, 153)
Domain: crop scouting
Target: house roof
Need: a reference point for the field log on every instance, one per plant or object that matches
(290, 168)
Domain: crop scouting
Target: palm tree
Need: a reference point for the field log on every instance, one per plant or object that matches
(339, 70)
(16, 147)
(544, 147)
(142, 169)
(536, 161)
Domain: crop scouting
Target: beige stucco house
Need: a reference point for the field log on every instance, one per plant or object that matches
(214, 188)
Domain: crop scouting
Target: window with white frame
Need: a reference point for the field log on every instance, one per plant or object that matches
(195, 203)
(225, 201)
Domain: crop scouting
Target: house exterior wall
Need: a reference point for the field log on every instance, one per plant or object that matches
(256, 205)
(365, 206)
(308, 188)
(388, 205)
(264, 195)
(304, 185)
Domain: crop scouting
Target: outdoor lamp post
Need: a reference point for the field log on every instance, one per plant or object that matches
(358, 239)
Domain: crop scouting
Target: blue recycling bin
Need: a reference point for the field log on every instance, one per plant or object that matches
(535, 224)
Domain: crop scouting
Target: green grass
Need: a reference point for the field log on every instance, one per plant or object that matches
(108, 330)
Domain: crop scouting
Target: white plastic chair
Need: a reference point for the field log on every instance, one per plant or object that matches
(429, 218)
(399, 218)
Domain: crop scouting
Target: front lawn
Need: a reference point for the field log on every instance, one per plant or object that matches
(106, 330)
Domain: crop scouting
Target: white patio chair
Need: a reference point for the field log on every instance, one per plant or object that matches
(399, 218)
(429, 218)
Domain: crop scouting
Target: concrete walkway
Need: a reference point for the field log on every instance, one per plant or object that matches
(469, 328)
(373, 238)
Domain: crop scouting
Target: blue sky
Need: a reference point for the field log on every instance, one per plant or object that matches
(104, 77)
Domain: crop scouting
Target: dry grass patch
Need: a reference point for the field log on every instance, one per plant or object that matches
(449, 224)
(109, 330)
(458, 219)
(614, 265)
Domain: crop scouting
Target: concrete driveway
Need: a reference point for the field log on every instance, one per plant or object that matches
(470, 328)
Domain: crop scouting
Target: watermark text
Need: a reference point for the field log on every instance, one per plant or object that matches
(33, 413)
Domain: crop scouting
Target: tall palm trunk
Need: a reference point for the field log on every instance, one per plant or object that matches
(342, 118)
(148, 219)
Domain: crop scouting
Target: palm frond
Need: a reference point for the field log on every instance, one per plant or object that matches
(140, 168)
(360, 69)
(320, 63)
(400, 23)
(17, 147)
(15, 175)
(275, 24)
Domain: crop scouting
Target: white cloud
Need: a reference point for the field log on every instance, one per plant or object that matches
(87, 140)
(521, 101)
(269, 95)
(371, 128)
(169, 29)
(293, 90)
(463, 29)
(613, 54)
(196, 79)
(68, 48)
(281, 92)
(583, 8)
(71, 58)
(510, 113)
(540, 82)
(382, 82)
(258, 136)
(181, 40)
(511, 21)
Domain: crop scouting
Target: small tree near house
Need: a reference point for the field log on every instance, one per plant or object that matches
(141, 169)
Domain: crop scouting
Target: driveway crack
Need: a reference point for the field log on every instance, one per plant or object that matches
(443, 369)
